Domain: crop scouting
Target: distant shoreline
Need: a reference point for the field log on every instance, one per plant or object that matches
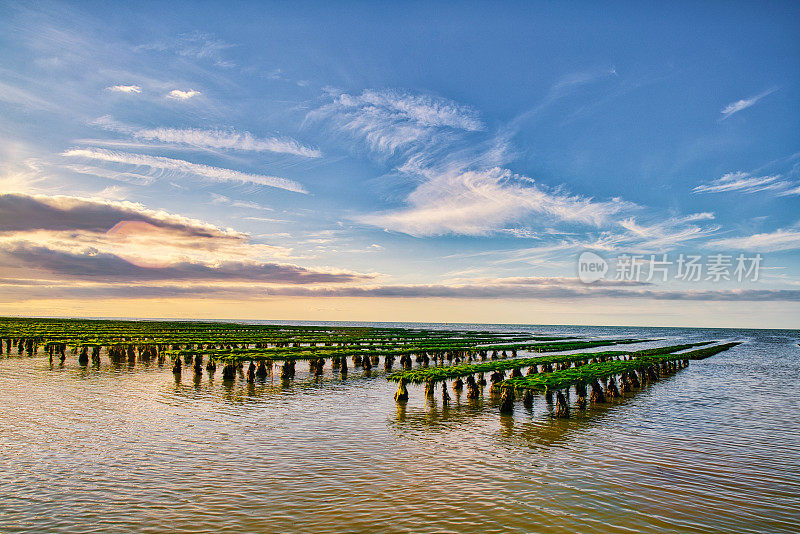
(300, 322)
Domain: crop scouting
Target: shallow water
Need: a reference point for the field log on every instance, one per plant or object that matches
(713, 448)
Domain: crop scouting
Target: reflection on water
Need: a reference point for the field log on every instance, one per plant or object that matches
(121, 448)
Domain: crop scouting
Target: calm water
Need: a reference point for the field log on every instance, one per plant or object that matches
(714, 448)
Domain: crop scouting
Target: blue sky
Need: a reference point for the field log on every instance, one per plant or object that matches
(360, 161)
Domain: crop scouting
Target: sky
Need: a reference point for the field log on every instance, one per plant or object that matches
(415, 161)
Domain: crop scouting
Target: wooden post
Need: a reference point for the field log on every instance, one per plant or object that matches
(472, 388)
(597, 393)
(507, 400)
(562, 408)
(527, 399)
(251, 372)
(402, 392)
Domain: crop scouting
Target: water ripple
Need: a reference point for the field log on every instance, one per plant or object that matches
(714, 448)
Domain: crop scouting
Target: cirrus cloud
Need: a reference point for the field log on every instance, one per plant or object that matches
(745, 182)
(225, 139)
(216, 174)
(782, 239)
(392, 121)
(480, 202)
(739, 105)
(125, 89)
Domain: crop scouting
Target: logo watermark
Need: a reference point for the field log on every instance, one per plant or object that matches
(663, 267)
(591, 267)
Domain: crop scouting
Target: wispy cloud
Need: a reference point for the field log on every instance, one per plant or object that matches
(481, 202)
(196, 45)
(100, 172)
(14, 95)
(782, 239)
(125, 88)
(224, 139)
(640, 234)
(739, 105)
(464, 187)
(562, 87)
(177, 94)
(216, 174)
(124, 143)
(222, 199)
(748, 183)
(227, 139)
(794, 190)
(389, 121)
(664, 234)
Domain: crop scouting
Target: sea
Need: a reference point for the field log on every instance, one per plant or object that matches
(713, 448)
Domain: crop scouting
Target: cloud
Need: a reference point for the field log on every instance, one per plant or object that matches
(574, 79)
(177, 94)
(641, 234)
(235, 281)
(794, 190)
(389, 121)
(125, 88)
(197, 45)
(127, 177)
(665, 234)
(543, 291)
(739, 105)
(75, 238)
(113, 192)
(74, 225)
(160, 163)
(16, 96)
(782, 239)
(483, 201)
(562, 88)
(106, 267)
(50, 290)
(222, 199)
(747, 183)
(225, 139)
(24, 213)
(464, 187)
